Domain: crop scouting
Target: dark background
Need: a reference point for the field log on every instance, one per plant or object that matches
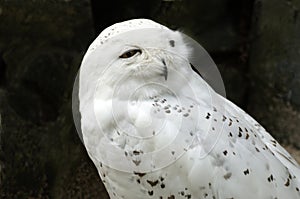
(255, 44)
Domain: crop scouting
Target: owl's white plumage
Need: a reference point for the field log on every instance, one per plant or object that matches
(156, 129)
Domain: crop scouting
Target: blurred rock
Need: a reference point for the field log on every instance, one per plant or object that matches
(211, 23)
(41, 45)
(2, 70)
(1, 154)
(23, 173)
(275, 68)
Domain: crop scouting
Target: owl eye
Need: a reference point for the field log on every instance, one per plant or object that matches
(130, 53)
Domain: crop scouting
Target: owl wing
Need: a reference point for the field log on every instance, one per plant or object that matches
(246, 161)
(273, 145)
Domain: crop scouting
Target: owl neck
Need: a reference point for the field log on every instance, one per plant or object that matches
(141, 90)
(179, 83)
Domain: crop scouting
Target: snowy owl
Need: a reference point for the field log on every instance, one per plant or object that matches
(154, 128)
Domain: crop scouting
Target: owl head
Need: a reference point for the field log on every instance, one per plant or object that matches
(134, 50)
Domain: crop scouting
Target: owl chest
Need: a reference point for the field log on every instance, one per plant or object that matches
(156, 115)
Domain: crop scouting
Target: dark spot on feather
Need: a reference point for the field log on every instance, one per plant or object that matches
(139, 174)
(186, 114)
(227, 176)
(135, 152)
(224, 118)
(208, 116)
(270, 178)
(150, 192)
(247, 136)
(287, 182)
(246, 172)
(152, 183)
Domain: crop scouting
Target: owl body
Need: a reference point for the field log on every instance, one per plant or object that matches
(240, 165)
(155, 129)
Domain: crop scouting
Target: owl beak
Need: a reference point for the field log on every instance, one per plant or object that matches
(165, 70)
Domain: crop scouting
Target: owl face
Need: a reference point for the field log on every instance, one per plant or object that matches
(144, 55)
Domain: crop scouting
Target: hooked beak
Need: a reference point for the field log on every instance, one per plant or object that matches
(165, 70)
